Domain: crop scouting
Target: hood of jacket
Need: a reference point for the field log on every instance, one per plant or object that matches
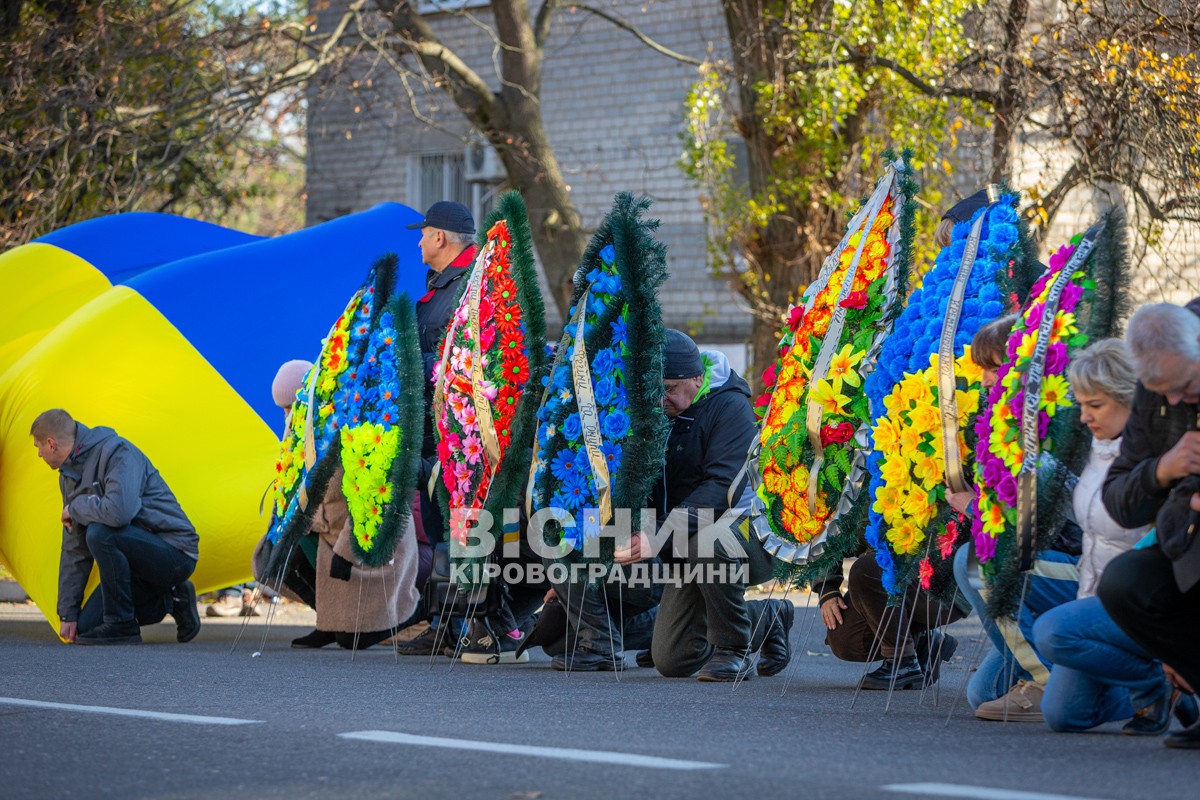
(723, 377)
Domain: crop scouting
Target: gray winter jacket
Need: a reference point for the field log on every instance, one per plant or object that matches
(108, 480)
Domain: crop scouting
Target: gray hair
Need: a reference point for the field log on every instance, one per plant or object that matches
(1104, 368)
(1161, 329)
(460, 239)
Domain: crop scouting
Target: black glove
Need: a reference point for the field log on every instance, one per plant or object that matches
(339, 568)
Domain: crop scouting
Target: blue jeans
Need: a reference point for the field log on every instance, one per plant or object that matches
(1012, 656)
(138, 570)
(1099, 674)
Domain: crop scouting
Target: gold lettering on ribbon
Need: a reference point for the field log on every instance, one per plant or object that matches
(956, 479)
(483, 408)
(1030, 443)
(536, 461)
(589, 419)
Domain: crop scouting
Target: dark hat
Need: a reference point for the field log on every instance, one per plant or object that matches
(447, 215)
(964, 209)
(681, 357)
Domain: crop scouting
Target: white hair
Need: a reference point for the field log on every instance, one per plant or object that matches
(288, 381)
(1158, 330)
(459, 239)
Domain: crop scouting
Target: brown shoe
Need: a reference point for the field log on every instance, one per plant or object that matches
(226, 605)
(1023, 703)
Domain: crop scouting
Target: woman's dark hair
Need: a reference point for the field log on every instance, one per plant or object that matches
(989, 348)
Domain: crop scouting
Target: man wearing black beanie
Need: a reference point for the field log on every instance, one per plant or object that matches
(708, 625)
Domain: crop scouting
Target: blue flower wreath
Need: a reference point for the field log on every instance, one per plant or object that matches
(917, 333)
(563, 478)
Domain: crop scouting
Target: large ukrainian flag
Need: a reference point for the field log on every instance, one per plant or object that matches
(170, 330)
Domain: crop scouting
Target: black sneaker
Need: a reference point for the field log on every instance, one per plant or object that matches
(727, 664)
(481, 646)
(776, 650)
(587, 661)
(645, 659)
(908, 675)
(112, 633)
(428, 642)
(183, 609)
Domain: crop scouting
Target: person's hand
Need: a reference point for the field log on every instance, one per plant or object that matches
(66, 631)
(960, 501)
(550, 597)
(831, 612)
(1177, 680)
(66, 516)
(1180, 461)
(636, 549)
(1195, 504)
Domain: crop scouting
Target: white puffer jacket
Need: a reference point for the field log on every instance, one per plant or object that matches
(1103, 538)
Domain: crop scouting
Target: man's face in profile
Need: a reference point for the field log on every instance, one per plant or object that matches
(51, 452)
(679, 394)
(1182, 384)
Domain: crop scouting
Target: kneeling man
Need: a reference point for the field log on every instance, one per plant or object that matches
(119, 513)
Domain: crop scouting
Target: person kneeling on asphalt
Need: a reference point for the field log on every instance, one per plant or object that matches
(119, 513)
(707, 626)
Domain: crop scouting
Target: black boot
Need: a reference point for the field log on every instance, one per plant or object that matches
(777, 646)
(363, 640)
(315, 640)
(183, 609)
(112, 633)
(908, 675)
(645, 659)
(727, 664)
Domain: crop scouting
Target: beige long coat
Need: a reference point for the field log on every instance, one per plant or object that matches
(375, 598)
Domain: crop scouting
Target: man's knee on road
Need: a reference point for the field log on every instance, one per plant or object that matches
(673, 663)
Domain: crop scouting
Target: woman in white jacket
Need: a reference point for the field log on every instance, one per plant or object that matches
(1099, 674)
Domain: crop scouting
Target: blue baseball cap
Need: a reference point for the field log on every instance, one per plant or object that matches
(447, 215)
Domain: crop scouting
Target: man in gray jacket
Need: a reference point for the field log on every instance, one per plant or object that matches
(119, 513)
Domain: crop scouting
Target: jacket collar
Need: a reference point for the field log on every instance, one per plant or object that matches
(453, 271)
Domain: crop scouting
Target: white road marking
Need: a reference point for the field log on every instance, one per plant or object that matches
(129, 712)
(562, 753)
(974, 792)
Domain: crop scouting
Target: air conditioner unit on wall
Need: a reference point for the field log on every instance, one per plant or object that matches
(483, 165)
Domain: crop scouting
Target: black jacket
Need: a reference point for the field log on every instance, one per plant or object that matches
(707, 447)
(108, 480)
(1132, 494)
(434, 312)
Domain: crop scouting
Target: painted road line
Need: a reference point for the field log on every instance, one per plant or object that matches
(974, 792)
(561, 753)
(128, 712)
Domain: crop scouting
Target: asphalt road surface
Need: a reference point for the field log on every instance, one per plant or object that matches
(166, 720)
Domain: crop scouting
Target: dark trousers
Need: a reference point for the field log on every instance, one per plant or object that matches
(1139, 592)
(697, 616)
(606, 617)
(137, 572)
(871, 629)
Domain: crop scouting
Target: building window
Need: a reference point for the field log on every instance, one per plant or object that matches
(438, 6)
(444, 177)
